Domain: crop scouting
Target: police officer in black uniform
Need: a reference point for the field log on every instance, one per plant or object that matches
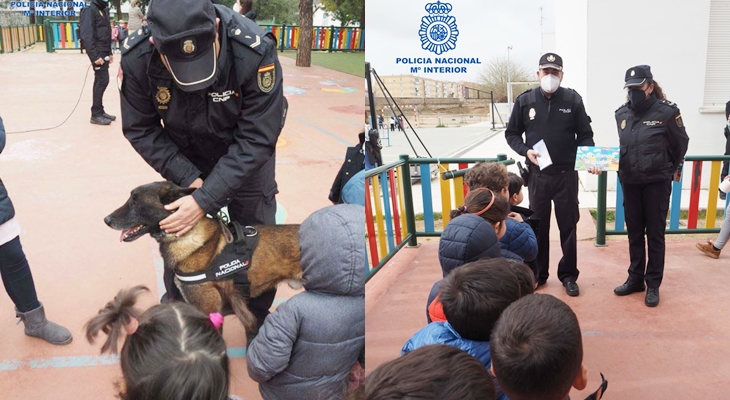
(557, 116)
(653, 143)
(96, 39)
(202, 103)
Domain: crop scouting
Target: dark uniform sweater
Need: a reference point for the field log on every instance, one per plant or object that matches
(226, 133)
(653, 142)
(560, 120)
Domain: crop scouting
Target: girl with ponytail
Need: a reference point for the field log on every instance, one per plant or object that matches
(171, 351)
(484, 203)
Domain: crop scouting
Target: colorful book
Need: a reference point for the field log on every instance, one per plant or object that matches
(605, 158)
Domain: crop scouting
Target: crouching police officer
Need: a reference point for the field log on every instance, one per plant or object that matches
(202, 103)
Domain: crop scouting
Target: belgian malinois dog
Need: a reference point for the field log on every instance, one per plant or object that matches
(274, 260)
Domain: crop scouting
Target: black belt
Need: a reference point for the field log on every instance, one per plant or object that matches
(551, 170)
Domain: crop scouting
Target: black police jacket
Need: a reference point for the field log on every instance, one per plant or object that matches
(6, 206)
(95, 31)
(354, 163)
(653, 142)
(560, 120)
(225, 134)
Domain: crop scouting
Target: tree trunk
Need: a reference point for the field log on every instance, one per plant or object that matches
(118, 8)
(362, 16)
(304, 47)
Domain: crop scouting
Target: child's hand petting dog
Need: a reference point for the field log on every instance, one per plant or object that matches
(188, 214)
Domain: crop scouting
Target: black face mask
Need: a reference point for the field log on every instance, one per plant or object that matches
(636, 96)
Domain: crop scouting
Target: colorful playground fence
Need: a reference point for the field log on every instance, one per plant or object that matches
(696, 162)
(17, 37)
(331, 38)
(389, 198)
(62, 35)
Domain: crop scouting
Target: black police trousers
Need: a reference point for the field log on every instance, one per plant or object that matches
(561, 188)
(646, 206)
(725, 164)
(101, 81)
(246, 210)
(16, 276)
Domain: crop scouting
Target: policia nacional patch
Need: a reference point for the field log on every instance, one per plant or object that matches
(266, 77)
(679, 121)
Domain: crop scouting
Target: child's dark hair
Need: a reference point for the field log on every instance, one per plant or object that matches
(525, 277)
(475, 294)
(490, 175)
(478, 202)
(434, 372)
(515, 184)
(175, 352)
(536, 348)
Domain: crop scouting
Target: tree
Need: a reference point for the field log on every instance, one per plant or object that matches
(493, 77)
(347, 11)
(278, 11)
(304, 47)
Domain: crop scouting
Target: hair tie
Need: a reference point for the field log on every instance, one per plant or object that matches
(488, 205)
(462, 209)
(216, 319)
(132, 326)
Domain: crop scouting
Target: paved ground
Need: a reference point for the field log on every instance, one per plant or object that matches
(64, 181)
(678, 350)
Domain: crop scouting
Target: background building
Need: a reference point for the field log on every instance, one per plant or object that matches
(410, 86)
(687, 45)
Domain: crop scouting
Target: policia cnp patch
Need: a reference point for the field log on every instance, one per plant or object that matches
(266, 77)
(679, 121)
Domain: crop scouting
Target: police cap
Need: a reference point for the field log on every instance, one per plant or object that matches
(638, 75)
(551, 60)
(184, 32)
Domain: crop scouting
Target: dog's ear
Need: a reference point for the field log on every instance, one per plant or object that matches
(174, 194)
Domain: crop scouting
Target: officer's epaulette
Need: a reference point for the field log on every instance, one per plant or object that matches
(669, 103)
(250, 36)
(622, 106)
(135, 38)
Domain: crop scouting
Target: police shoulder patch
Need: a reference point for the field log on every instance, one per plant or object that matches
(266, 77)
(134, 39)
(678, 118)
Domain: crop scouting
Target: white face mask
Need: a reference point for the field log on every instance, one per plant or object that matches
(549, 83)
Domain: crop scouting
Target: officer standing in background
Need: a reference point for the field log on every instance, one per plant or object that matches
(96, 38)
(653, 144)
(202, 102)
(557, 116)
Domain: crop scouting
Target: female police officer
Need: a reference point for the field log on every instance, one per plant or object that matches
(653, 143)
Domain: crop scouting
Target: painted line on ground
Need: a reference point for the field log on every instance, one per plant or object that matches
(330, 134)
(349, 121)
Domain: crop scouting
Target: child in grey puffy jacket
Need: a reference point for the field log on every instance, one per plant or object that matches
(306, 348)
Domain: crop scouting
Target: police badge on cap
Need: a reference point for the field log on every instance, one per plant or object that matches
(637, 76)
(184, 34)
(551, 60)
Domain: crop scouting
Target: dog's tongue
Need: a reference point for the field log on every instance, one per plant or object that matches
(124, 233)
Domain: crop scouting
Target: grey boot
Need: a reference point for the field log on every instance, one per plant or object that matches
(37, 325)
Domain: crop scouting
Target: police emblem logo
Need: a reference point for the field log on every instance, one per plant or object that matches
(266, 77)
(188, 46)
(679, 120)
(162, 97)
(438, 30)
(632, 73)
(551, 58)
(531, 114)
(623, 124)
